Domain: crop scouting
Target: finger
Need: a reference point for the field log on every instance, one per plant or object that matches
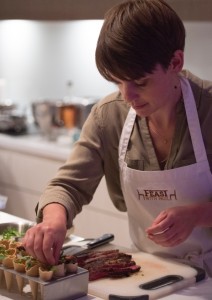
(161, 233)
(28, 243)
(43, 248)
(171, 241)
(38, 247)
(159, 229)
(57, 251)
(164, 235)
(162, 216)
(48, 249)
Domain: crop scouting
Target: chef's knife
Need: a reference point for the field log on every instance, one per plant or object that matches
(78, 249)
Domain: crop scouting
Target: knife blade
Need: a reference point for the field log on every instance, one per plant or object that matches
(78, 249)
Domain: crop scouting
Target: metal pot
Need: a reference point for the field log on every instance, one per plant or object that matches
(74, 111)
(7, 107)
(11, 121)
(68, 113)
(45, 118)
(45, 113)
(13, 124)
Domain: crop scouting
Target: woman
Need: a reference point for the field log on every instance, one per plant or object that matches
(151, 140)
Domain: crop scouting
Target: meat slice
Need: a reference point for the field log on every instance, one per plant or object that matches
(113, 272)
(94, 254)
(113, 263)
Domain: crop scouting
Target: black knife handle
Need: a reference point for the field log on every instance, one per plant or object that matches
(117, 297)
(161, 282)
(105, 238)
(201, 274)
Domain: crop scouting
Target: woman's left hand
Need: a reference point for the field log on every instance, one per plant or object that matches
(173, 226)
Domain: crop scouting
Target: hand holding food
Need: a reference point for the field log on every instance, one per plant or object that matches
(172, 226)
(44, 241)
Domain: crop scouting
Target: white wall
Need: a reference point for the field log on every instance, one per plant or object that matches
(38, 58)
(198, 51)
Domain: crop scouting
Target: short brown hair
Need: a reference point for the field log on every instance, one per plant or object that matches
(135, 36)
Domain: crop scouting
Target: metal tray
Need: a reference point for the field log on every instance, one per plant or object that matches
(71, 286)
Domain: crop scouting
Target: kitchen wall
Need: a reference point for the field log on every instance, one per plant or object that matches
(38, 59)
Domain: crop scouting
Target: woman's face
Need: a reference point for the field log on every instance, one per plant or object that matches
(151, 93)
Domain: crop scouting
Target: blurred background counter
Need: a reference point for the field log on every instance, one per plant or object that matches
(28, 162)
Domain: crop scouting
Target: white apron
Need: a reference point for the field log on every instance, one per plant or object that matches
(147, 193)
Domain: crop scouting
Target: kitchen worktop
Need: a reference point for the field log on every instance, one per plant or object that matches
(6, 218)
(199, 291)
(6, 295)
(37, 145)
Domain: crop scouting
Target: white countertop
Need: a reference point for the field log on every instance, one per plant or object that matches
(37, 145)
(5, 218)
(199, 291)
(14, 294)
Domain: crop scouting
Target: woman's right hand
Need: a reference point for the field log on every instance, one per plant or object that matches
(44, 240)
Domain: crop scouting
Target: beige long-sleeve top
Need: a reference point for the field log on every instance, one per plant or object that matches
(96, 153)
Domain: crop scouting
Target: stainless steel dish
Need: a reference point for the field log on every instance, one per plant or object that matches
(20, 227)
(11, 120)
(7, 107)
(46, 118)
(49, 115)
(71, 286)
(13, 124)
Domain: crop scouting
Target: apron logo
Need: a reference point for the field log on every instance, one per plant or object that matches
(156, 195)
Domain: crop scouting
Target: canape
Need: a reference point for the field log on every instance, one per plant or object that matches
(46, 272)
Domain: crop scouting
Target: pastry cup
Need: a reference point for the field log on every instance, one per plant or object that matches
(18, 265)
(8, 279)
(5, 243)
(32, 271)
(59, 270)
(71, 264)
(7, 262)
(1, 276)
(10, 251)
(71, 267)
(31, 267)
(45, 275)
(14, 245)
(34, 288)
(2, 247)
(20, 283)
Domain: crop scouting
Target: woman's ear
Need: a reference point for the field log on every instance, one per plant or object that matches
(177, 61)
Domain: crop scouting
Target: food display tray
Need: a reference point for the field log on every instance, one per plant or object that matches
(71, 286)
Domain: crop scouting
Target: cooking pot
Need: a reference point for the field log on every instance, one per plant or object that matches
(7, 107)
(13, 124)
(45, 118)
(11, 120)
(74, 111)
(69, 113)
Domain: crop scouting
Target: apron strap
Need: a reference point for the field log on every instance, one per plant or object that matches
(193, 121)
(125, 135)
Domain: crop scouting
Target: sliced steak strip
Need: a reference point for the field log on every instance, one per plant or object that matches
(101, 264)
